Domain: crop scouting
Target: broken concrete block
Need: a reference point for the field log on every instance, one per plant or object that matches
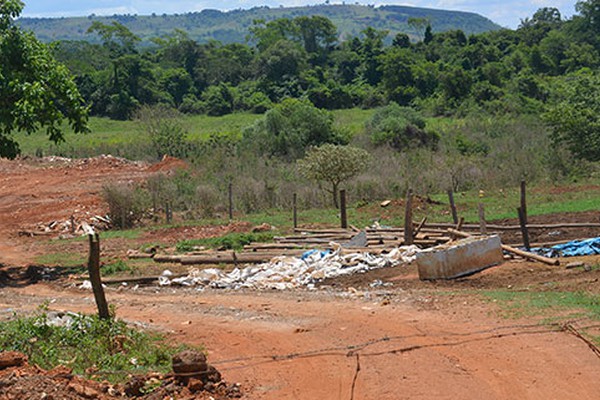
(460, 258)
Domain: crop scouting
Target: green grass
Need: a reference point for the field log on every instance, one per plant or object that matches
(553, 306)
(117, 267)
(87, 342)
(540, 200)
(62, 259)
(546, 304)
(107, 135)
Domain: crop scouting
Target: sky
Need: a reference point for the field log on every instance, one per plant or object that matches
(507, 13)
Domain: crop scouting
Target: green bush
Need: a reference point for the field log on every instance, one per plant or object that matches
(290, 128)
(400, 128)
(86, 342)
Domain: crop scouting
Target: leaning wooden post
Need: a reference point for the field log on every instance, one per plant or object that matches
(343, 213)
(408, 226)
(452, 206)
(482, 224)
(524, 200)
(230, 197)
(524, 230)
(295, 210)
(94, 272)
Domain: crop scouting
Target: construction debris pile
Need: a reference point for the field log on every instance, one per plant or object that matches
(69, 228)
(287, 272)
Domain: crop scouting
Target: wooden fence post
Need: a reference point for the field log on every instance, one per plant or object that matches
(524, 230)
(408, 228)
(94, 272)
(230, 197)
(482, 224)
(343, 213)
(295, 210)
(452, 206)
(524, 200)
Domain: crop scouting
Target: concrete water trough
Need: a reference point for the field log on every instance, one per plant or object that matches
(459, 258)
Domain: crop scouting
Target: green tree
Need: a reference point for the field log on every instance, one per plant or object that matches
(333, 164)
(575, 119)
(400, 128)
(36, 91)
(289, 128)
(165, 130)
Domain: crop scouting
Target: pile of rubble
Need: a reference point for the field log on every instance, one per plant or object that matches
(287, 272)
(68, 228)
(192, 378)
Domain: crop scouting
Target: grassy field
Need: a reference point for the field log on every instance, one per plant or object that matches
(107, 135)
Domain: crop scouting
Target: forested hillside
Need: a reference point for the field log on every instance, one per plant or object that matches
(232, 26)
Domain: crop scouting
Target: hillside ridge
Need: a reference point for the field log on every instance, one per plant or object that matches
(232, 26)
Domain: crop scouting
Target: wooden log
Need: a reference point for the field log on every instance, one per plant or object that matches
(94, 273)
(331, 230)
(139, 256)
(166, 258)
(531, 256)
(273, 246)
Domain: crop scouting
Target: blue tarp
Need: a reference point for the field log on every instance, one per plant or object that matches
(309, 253)
(585, 247)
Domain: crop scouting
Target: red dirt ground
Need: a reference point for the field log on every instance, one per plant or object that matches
(346, 340)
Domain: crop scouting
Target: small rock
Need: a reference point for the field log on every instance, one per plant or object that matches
(12, 359)
(195, 385)
(213, 375)
(134, 387)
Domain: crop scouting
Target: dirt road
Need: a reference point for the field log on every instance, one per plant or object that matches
(412, 340)
(404, 345)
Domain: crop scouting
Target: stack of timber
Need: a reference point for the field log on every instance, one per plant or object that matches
(376, 241)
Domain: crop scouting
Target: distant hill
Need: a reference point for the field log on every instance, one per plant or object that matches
(232, 26)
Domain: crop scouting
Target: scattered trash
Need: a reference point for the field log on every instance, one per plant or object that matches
(283, 273)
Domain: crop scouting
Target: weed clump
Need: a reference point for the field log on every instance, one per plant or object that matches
(87, 344)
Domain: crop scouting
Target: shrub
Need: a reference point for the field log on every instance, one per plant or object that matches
(126, 206)
(400, 128)
(289, 128)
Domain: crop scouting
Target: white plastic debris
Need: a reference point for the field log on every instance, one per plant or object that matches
(290, 272)
(86, 285)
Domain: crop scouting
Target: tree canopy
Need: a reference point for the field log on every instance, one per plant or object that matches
(36, 91)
